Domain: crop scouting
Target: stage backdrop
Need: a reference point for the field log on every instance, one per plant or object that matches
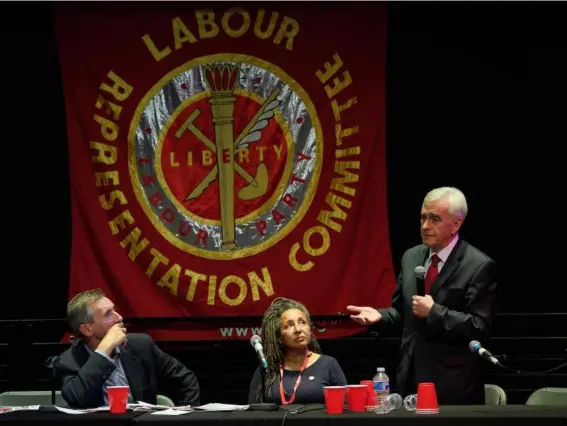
(222, 156)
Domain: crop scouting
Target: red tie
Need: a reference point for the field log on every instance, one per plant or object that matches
(432, 273)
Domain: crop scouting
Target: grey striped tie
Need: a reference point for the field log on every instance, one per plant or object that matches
(117, 378)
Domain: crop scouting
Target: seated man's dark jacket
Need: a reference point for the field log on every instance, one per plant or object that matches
(146, 366)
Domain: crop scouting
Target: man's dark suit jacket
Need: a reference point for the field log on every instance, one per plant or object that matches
(146, 366)
(464, 293)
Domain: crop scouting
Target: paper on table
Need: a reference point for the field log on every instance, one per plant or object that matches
(171, 412)
(139, 406)
(81, 411)
(144, 405)
(19, 408)
(222, 407)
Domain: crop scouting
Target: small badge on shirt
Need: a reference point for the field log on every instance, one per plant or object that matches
(311, 378)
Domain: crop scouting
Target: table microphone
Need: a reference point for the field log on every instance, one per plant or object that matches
(420, 280)
(256, 342)
(476, 347)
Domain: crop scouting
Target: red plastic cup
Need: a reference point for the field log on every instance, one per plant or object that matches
(334, 399)
(426, 399)
(117, 398)
(370, 395)
(356, 397)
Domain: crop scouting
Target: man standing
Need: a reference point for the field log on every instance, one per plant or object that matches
(105, 355)
(460, 293)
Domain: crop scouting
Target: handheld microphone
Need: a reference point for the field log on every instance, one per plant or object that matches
(476, 347)
(420, 280)
(256, 342)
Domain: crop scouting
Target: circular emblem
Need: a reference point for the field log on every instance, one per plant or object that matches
(225, 154)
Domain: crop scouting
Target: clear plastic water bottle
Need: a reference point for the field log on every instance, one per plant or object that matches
(382, 391)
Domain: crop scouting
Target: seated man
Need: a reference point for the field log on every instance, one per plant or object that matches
(105, 355)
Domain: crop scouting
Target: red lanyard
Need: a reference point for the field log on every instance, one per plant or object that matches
(297, 382)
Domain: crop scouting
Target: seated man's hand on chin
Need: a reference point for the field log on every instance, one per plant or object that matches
(115, 336)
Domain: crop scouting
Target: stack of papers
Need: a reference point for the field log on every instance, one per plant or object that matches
(176, 411)
(144, 406)
(222, 407)
(81, 411)
(139, 406)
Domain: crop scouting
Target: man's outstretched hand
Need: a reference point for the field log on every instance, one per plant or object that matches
(364, 315)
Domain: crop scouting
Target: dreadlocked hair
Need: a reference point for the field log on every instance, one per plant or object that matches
(273, 347)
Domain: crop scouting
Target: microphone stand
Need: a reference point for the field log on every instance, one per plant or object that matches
(51, 363)
(53, 378)
(263, 385)
(262, 405)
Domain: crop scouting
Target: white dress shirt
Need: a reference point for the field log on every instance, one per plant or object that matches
(443, 254)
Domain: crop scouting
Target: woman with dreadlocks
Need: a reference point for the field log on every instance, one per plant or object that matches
(297, 371)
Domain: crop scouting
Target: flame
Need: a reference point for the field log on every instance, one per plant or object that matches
(222, 78)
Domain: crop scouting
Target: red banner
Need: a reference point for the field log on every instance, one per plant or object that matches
(222, 156)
